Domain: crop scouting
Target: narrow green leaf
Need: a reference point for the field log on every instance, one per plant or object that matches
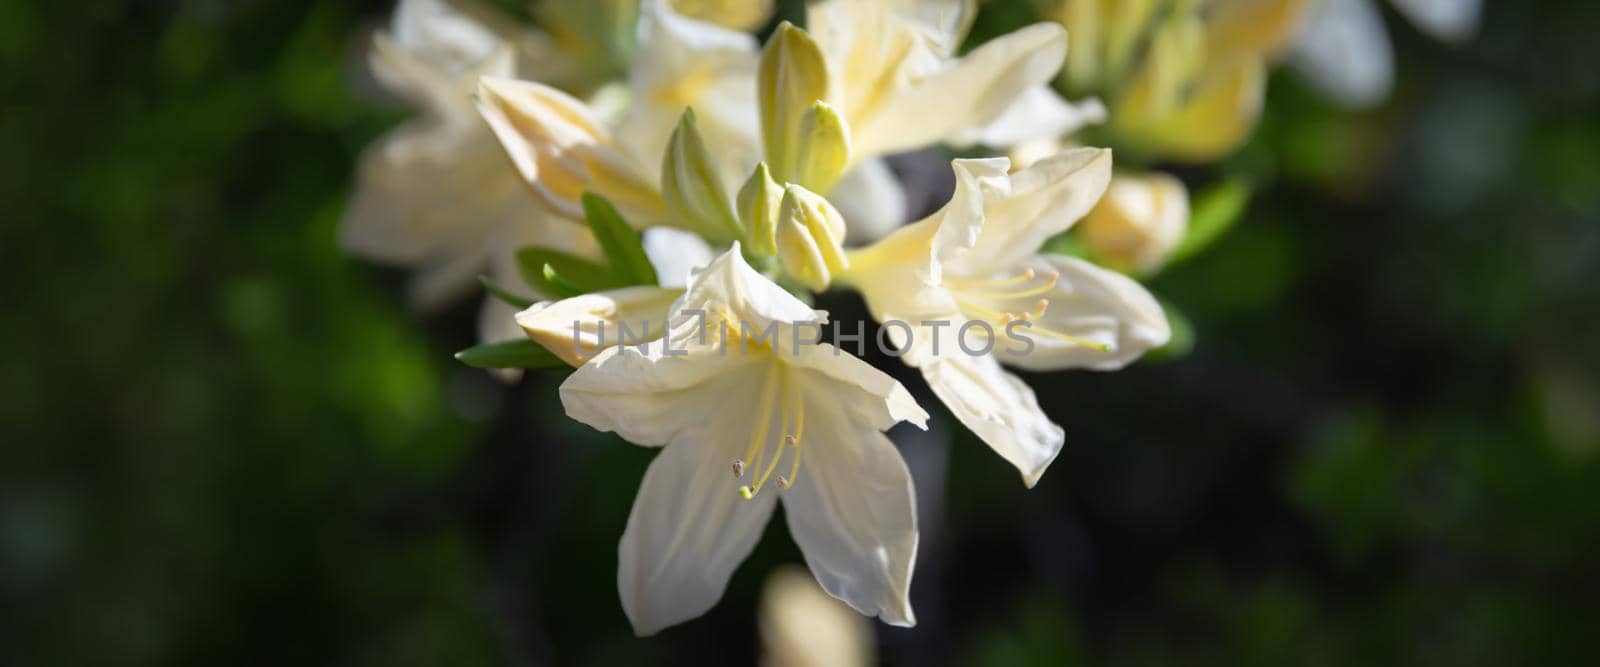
(503, 294)
(621, 243)
(560, 275)
(1212, 214)
(509, 354)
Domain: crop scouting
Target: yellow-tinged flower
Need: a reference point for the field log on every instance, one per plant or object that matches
(1139, 222)
(562, 149)
(436, 193)
(684, 63)
(897, 84)
(746, 416)
(1183, 79)
(974, 267)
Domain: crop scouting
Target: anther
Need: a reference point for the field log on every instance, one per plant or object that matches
(746, 492)
(738, 468)
(783, 482)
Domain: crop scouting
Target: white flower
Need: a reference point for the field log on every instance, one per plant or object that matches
(435, 193)
(895, 78)
(737, 422)
(683, 63)
(976, 261)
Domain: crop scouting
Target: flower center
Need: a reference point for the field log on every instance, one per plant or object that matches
(777, 395)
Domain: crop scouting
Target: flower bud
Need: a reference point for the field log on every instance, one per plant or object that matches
(759, 200)
(562, 149)
(578, 328)
(809, 233)
(791, 78)
(1138, 222)
(824, 148)
(694, 195)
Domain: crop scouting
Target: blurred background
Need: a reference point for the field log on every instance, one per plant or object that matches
(226, 442)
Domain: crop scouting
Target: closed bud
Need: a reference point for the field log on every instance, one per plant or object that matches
(759, 200)
(791, 78)
(824, 148)
(809, 233)
(1138, 222)
(695, 197)
(578, 328)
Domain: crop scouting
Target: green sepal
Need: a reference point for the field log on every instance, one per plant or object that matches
(623, 246)
(504, 295)
(509, 354)
(560, 275)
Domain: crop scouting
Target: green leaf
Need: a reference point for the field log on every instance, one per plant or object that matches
(560, 275)
(1213, 213)
(509, 354)
(503, 294)
(621, 243)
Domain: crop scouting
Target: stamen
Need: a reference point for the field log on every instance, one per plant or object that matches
(1049, 284)
(1025, 276)
(1038, 311)
(757, 448)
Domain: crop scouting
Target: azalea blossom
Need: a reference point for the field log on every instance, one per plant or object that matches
(436, 193)
(743, 426)
(974, 266)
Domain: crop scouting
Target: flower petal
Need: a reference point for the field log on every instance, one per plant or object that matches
(640, 395)
(869, 396)
(577, 328)
(675, 253)
(681, 63)
(728, 289)
(1037, 203)
(1037, 114)
(972, 91)
(1096, 305)
(995, 405)
(688, 531)
(853, 514)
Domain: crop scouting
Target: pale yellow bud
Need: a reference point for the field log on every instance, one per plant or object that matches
(1138, 222)
(792, 77)
(578, 328)
(824, 148)
(809, 236)
(759, 200)
(694, 194)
